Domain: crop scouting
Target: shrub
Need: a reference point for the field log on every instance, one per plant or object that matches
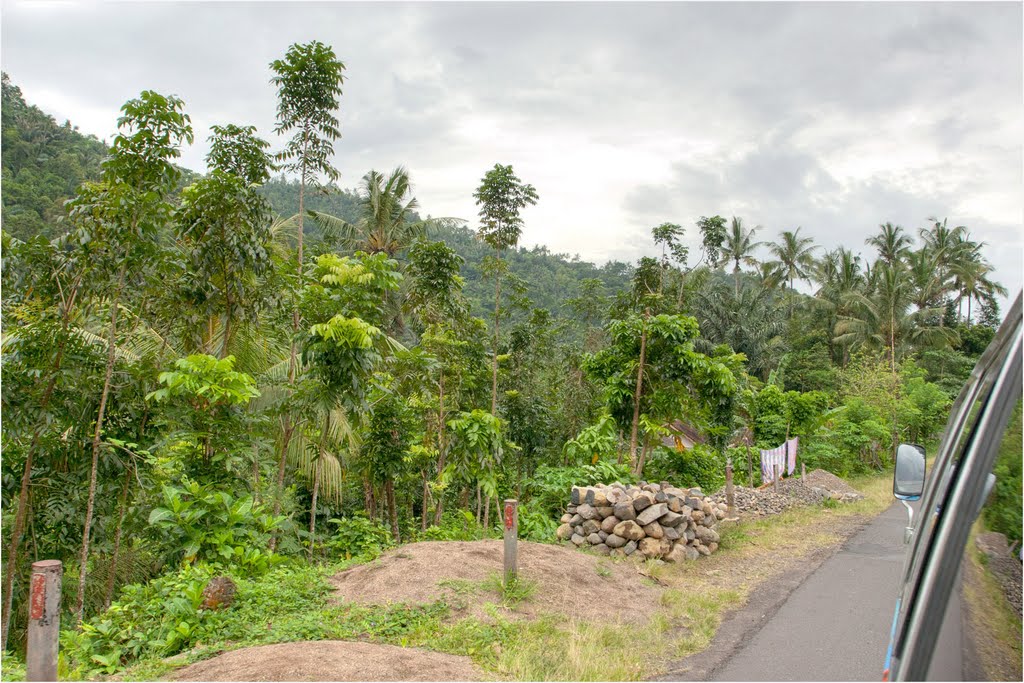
(456, 525)
(357, 536)
(698, 466)
(550, 487)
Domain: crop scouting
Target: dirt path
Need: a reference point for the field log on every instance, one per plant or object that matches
(331, 660)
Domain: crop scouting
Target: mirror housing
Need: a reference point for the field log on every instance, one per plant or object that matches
(908, 475)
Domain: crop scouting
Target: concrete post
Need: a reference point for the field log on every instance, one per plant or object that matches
(511, 524)
(730, 493)
(43, 621)
(803, 470)
(775, 481)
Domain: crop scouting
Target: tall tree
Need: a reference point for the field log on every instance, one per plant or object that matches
(892, 243)
(117, 222)
(223, 226)
(387, 221)
(794, 254)
(501, 197)
(738, 247)
(308, 81)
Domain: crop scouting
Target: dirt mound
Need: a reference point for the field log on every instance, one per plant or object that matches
(566, 581)
(331, 660)
(831, 482)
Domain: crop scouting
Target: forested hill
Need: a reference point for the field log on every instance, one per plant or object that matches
(44, 163)
(549, 278)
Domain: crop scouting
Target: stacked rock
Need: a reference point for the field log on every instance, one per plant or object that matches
(656, 520)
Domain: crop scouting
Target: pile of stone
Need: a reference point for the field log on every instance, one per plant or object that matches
(757, 502)
(659, 521)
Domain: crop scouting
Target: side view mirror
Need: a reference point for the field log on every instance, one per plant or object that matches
(908, 476)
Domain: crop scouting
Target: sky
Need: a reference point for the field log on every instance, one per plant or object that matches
(829, 117)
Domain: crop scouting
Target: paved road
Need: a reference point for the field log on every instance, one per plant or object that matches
(835, 626)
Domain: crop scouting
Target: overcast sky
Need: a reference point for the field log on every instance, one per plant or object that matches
(832, 117)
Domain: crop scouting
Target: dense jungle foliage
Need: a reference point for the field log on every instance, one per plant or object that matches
(252, 370)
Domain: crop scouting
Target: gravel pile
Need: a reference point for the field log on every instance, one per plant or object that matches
(839, 489)
(814, 490)
(758, 501)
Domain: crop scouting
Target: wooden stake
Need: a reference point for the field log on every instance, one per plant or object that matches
(803, 470)
(43, 621)
(775, 481)
(511, 524)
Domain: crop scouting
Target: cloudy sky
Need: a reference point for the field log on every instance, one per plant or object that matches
(832, 117)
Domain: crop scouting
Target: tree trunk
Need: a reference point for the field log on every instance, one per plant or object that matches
(256, 474)
(487, 511)
(440, 444)
(288, 428)
(497, 325)
(634, 431)
(109, 596)
(479, 515)
(369, 502)
(87, 527)
(227, 334)
(312, 506)
(389, 492)
(643, 456)
(23, 502)
(426, 501)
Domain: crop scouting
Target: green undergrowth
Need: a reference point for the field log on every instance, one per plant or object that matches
(158, 627)
(147, 635)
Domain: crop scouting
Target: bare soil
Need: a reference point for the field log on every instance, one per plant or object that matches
(566, 581)
(331, 660)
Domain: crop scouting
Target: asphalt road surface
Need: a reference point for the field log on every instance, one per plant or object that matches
(835, 625)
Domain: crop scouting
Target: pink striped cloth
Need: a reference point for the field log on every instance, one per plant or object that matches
(784, 456)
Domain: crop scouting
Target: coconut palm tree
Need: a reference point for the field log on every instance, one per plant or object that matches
(892, 243)
(838, 274)
(794, 259)
(970, 272)
(388, 221)
(881, 317)
(739, 248)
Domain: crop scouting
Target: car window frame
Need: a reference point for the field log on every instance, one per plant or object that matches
(953, 495)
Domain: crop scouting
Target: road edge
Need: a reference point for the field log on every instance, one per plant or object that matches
(742, 623)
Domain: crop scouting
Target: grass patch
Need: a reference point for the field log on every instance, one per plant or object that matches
(996, 625)
(511, 593)
(12, 668)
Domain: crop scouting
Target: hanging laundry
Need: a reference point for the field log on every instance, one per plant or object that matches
(770, 459)
(791, 455)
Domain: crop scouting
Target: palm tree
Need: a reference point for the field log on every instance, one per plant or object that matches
(880, 317)
(838, 274)
(388, 221)
(751, 324)
(794, 259)
(739, 247)
(927, 278)
(892, 243)
(970, 273)
(943, 241)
